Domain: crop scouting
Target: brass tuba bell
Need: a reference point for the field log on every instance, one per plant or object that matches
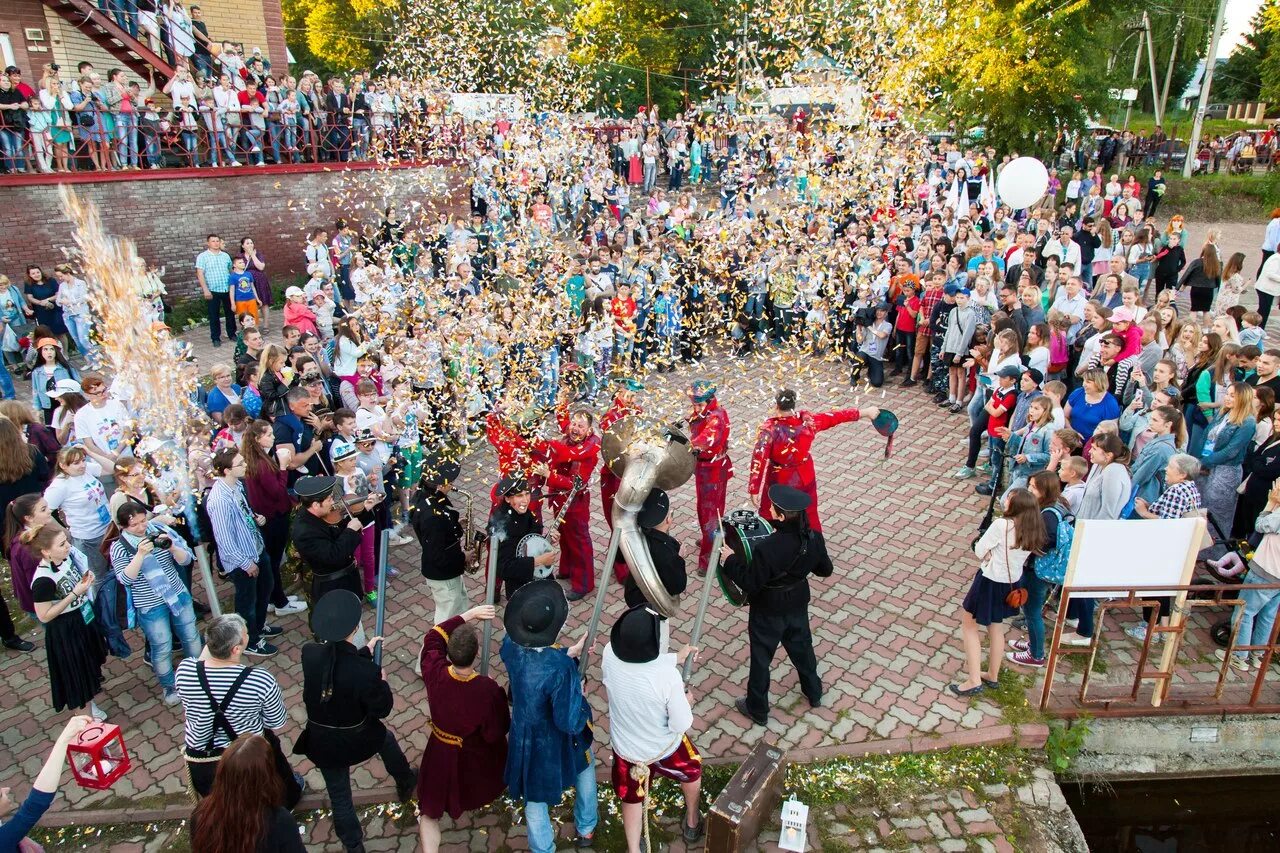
(645, 454)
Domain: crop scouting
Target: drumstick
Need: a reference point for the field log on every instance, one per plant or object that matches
(490, 588)
(712, 568)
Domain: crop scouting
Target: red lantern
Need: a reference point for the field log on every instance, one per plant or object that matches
(98, 756)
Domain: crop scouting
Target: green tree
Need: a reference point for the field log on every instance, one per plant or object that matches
(338, 35)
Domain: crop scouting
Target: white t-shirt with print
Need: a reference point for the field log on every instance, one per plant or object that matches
(105, 425)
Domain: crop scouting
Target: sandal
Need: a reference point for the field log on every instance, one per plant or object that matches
(990, 685)
(972, 691)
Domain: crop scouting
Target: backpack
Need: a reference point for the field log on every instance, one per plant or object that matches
(1052, 567)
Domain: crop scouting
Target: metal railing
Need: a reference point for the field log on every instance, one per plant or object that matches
(1192, 696)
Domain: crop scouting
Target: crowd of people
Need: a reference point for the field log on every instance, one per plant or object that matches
(531, 324)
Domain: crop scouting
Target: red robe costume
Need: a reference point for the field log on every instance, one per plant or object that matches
(466, 754)
(709, 437)
(609, 481)
(568, 459)
(782, 456)
(516, 456)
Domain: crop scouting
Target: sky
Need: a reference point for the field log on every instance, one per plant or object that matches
(1239, 13)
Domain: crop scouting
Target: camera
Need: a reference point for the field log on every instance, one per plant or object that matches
(160, 540)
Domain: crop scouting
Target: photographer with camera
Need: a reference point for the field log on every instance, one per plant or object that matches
(146, 556)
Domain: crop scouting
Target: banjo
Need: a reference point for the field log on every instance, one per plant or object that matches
(535, 544)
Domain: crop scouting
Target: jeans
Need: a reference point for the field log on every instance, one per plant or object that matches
(254, 137)
(360, 138)
(337, 780)
(222, 149)
(875, 371)
(7, 391)
(542, 835)
(253, 594)
(190, 143)
(151, 141)
(78, 327)
(221, 302)
(1259, 614)
(274, 129)
(126, 15)
(160, 625)
(997, 446)
(127, 138)
(1033, 612)
(650, 177)
(11, 150)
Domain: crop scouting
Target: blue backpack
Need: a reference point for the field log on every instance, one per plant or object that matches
(1052, 567)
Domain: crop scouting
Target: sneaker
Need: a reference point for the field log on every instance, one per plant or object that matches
(946, 403)
(1139, 633)
(984, 468)
(397, 540)
(272, 630)
(964, 473)
(393, 572)
(172, 698)
(1024, 659)
(983, 488)
(217, 344)
(289, 609)
(18, 644)
(1019, 645)
(585, 842)
(371, 597)
(261, 649)
(1074, 639)
(908, 383)
(1237, 662)
(693, 833)
(955, 408)
(574, 595)
(984, 453)
(97, 713)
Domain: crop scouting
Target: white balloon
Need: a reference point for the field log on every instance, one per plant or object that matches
(1022, 182)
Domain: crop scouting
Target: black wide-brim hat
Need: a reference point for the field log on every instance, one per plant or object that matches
(536, 613)
(637, 635)
(512, 485)
(437, 472)
(788, 498)
(336, 615)
(655, 509)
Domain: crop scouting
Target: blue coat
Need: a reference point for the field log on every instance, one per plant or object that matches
(550, 736)
(1148, 469)
(1230, 445)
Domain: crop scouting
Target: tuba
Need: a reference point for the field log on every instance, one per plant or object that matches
(645, 455)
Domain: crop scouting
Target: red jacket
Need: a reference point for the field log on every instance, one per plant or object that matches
(709, 436)
(782, 447)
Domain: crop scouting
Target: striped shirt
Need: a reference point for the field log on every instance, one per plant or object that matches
(234, 528)
(144, 595)
(256, 705)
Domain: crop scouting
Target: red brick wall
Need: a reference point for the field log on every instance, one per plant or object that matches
(16, 16)
(168, 219)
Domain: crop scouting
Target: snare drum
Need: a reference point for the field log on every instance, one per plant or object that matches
(743, 530)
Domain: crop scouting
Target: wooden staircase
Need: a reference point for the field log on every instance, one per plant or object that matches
(102, 29)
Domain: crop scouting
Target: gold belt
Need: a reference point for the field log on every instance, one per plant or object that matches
(445, 737)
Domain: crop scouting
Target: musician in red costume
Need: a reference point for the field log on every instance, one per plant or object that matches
(575, 456)
(709, 439)
(624, 405)
(518, 454)
(782, 451)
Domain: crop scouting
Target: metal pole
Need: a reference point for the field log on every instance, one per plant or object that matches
(380, 619)
(206, 577)
(602, 587)
(1210, 61)
(707, 583)
(490, 587)
(1168, 74)
(1151, 59)
(1137, 64)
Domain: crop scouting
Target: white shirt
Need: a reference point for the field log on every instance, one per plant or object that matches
(1000, 560)
(648, 711)
(83, 501)
(104, 425)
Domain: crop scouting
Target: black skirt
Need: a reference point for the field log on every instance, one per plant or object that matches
(76, 653)
(1201, 298)
(985, 600)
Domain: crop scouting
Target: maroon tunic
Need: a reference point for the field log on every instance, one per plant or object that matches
(466, 754)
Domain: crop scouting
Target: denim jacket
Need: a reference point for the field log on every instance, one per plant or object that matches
(1230, 444)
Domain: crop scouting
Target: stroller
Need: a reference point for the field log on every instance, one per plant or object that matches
(1221, 632)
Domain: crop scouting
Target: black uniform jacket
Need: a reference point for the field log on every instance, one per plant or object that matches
(324, 547)
(776, 581)
(440, 532)
(348, 728)
(665, 552)
(511, 527)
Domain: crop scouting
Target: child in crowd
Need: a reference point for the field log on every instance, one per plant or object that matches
(666, 326)
(296, 312)
(323, 307)
(623, 310)
(1251, 331)
(1072, 472)
(355, 484)
(371, 416)
(244, 295)
(51, 366)
(1057, 392)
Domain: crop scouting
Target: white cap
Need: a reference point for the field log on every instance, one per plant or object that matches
(66, 386)
(293, 291)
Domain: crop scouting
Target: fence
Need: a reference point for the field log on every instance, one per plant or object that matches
(214, 142)
(1180, 684)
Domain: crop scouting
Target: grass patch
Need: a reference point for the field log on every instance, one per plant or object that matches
(1011, 698)
(1222, 197)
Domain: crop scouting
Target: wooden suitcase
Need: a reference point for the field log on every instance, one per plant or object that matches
(748, 800)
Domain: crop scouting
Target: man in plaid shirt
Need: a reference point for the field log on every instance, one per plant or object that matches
(924, 330)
